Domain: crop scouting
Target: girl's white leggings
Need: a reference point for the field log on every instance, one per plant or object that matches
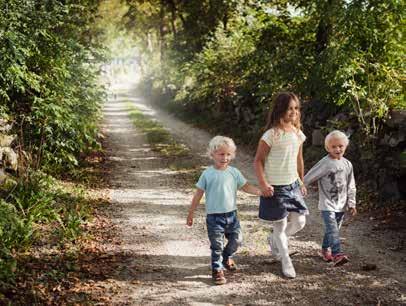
(283, 229)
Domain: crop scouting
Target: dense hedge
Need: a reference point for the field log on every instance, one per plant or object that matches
(50, 95)
(343, 58)
(347, 54)
(48, 80)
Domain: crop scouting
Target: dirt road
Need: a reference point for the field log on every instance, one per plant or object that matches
(169, 265)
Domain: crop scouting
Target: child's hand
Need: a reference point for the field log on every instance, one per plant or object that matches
(353, 211)
(189, 221)
(267, 190)
(303, 189)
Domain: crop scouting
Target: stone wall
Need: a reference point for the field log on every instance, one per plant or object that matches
(382, 169)
(391, 179)
(8, 157)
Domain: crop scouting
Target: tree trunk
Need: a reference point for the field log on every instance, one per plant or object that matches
(161, 31)
(172, 5)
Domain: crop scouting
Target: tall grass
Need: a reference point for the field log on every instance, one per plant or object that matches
(35, 202)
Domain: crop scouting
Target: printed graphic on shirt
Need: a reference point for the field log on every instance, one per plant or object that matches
(336, 184)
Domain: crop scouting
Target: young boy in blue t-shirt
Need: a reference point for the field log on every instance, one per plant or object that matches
(219, 183)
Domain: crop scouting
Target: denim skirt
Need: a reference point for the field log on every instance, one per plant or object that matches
(286, 198)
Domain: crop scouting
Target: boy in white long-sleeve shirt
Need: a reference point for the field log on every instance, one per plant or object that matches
(335, 177)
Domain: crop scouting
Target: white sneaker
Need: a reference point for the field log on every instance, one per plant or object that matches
(273, 248)
(287, 267)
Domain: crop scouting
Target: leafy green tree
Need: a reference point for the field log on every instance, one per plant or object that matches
(347, 54)
(47, 78)
(49, 61)
(358, 59)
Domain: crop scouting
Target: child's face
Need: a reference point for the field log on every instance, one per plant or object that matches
(222, 157)
(292, 113)
(336, 148)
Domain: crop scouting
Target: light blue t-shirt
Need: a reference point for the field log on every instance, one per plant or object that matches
(220, 188)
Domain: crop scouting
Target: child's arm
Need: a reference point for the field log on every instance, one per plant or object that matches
(300, 163)
(351, 192)
(300, 170)
(262, 152)
(195, 201)
(248, 188)
(315, 173)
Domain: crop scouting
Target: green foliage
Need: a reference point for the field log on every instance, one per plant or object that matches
(48, 78)
(48, 88)
(346, 54)
(11, 231)
(361, 63)
(36, 200)
(49, 55)
(159, 138)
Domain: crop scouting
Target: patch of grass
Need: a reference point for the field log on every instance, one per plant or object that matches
(38, 210)
(186, 165)
(90, 173)
(157, 136)
(161, 141)
(47, 237)
(189, 176)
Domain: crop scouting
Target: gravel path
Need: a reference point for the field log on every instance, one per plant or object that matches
(170, 262)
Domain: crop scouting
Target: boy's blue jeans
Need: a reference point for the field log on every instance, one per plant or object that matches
(220, 226)
(332, 223)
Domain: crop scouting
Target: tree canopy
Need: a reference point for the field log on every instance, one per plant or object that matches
(47, 77)
(233, 55)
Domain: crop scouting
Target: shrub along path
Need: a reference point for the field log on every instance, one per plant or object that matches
(167, 263)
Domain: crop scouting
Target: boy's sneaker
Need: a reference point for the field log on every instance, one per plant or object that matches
(340, 259)
(326, 255)
(218, 277)
(230, 265)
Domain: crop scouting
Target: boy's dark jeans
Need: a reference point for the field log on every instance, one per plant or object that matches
(332, 223)
(219, 226)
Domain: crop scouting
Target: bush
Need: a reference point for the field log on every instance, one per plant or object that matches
(12, 232)
(36, 201)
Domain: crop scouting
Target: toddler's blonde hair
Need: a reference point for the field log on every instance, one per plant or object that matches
(218, 141)
(336, 134)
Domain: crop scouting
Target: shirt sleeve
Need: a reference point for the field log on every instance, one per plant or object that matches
(315, 173)
(241, 180)
(302, 136)
(201, 183)
(268, 137)
(351, 189)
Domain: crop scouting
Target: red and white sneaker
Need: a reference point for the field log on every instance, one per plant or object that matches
(340, 259)
(326, 255)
